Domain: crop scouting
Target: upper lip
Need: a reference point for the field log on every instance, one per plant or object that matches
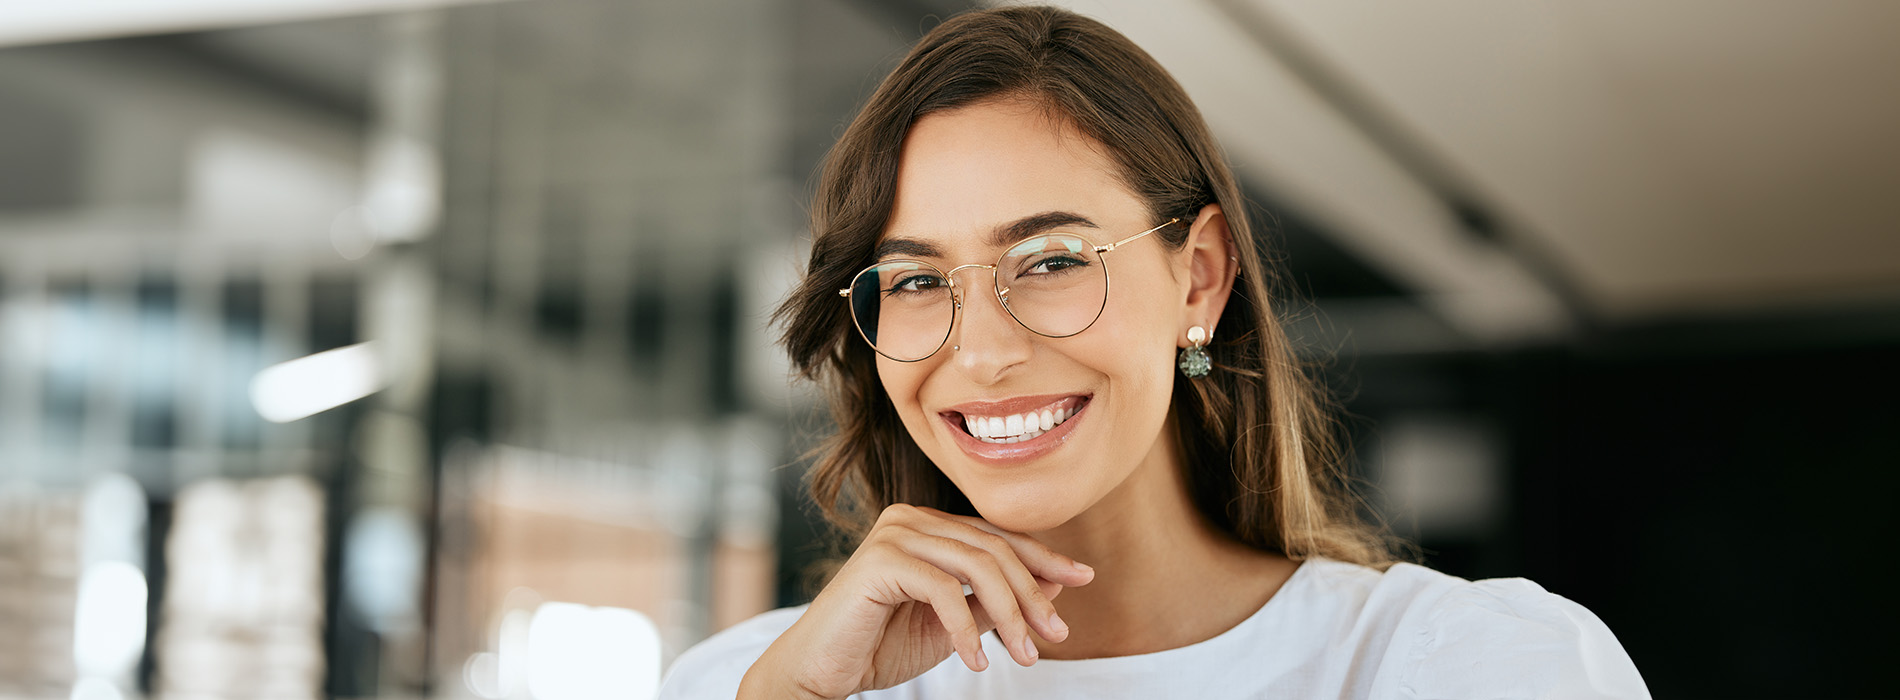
(1009, 406)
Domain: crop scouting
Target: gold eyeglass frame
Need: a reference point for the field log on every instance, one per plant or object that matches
(1002, 295)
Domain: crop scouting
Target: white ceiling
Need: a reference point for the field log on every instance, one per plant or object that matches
(79, 20)
(1648, 159)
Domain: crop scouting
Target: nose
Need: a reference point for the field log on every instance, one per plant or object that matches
(986, 342)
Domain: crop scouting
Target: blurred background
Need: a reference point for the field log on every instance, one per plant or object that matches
(418, 348)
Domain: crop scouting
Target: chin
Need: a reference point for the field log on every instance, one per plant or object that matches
(1022, 512)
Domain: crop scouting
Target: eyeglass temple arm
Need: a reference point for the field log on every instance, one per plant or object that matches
(846, 292)
(1126, 241)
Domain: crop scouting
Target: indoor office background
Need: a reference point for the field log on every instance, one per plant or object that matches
(397, 348)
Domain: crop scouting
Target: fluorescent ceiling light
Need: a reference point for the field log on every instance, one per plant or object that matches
(309, 385)
(40, 22)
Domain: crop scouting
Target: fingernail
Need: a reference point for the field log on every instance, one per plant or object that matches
(1055, 621)
(982, 660)
(1084, 568)
(1029, 649)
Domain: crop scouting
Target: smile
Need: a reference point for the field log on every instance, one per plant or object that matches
(1027, 425)
(1015, 430)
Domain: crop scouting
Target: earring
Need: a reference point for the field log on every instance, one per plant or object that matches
(1194, 360)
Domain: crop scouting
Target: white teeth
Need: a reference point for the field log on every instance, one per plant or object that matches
(1004, 430)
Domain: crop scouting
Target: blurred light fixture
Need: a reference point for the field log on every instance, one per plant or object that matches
(75, 20)
(382, 567)
(96, 689)
(350, 234)
(309, 385)
(112, 521)
(403, 200)
(109, 620)
(482, 674)
(576, 651)
(511, 657)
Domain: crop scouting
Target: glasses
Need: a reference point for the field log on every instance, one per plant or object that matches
(1055, 285)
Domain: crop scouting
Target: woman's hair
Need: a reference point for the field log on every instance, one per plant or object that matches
(1262, 461)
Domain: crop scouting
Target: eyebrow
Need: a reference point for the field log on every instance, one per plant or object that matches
(1003, 235)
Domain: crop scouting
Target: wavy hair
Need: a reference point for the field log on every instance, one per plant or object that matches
(1262, 460)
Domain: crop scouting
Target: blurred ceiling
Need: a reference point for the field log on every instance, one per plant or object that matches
(1529, 166)
(80, 20)
(1517, 171)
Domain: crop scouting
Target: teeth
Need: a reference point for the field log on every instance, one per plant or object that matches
(1005, 430)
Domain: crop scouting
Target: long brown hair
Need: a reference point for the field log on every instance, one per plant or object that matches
(1262, 461)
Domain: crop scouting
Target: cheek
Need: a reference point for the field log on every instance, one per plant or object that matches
(902, 382)
(1136, 334)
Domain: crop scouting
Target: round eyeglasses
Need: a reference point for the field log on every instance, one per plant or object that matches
(1054, 284)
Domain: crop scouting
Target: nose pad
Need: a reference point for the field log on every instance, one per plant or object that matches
(1005, 321)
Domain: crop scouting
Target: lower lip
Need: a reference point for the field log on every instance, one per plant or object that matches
(1016, 452)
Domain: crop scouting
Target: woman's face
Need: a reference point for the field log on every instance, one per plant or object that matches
(965, 175)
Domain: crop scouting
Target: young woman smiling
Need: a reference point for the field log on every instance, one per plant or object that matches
(1068, 416)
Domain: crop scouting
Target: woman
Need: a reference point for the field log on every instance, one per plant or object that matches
(1073, 437)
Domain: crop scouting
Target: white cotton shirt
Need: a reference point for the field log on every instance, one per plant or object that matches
(1334, 630)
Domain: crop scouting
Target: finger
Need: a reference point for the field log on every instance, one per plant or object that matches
(1035, 606)
(1042, 560)
(944, 594)
(980, 568)
(1050, 589)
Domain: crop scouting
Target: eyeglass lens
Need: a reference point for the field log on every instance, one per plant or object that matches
(1054, 285)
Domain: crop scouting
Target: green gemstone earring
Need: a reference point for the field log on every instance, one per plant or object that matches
(1194, 360)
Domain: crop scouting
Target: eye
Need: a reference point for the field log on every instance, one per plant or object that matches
(1054, 264)
(911, 284)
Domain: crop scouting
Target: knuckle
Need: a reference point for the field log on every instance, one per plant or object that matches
(941, 580)
(1042, 599)
(968, 550)
(1056, 556)
(895, 512)
(972, 633)
(879, 547)
(1003, 594)
(994, 542)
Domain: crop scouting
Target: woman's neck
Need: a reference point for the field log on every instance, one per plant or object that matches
(1165, 577)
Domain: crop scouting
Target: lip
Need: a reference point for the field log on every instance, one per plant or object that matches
(1018, 452)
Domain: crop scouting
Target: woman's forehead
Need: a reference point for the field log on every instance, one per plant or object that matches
(997, 237)
(988, 175)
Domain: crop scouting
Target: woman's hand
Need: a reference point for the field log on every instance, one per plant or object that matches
(897, 608)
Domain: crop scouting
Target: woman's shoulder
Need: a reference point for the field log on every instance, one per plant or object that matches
(714, 667)
(1506, 637)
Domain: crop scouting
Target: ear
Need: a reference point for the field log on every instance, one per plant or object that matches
(1212, 263)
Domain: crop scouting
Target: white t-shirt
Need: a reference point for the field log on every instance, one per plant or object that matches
(1334, 630)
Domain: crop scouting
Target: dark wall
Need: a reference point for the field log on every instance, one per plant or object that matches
(1727, 511)
(1717, 492)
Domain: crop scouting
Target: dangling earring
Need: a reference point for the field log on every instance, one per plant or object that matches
(1194, 360)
